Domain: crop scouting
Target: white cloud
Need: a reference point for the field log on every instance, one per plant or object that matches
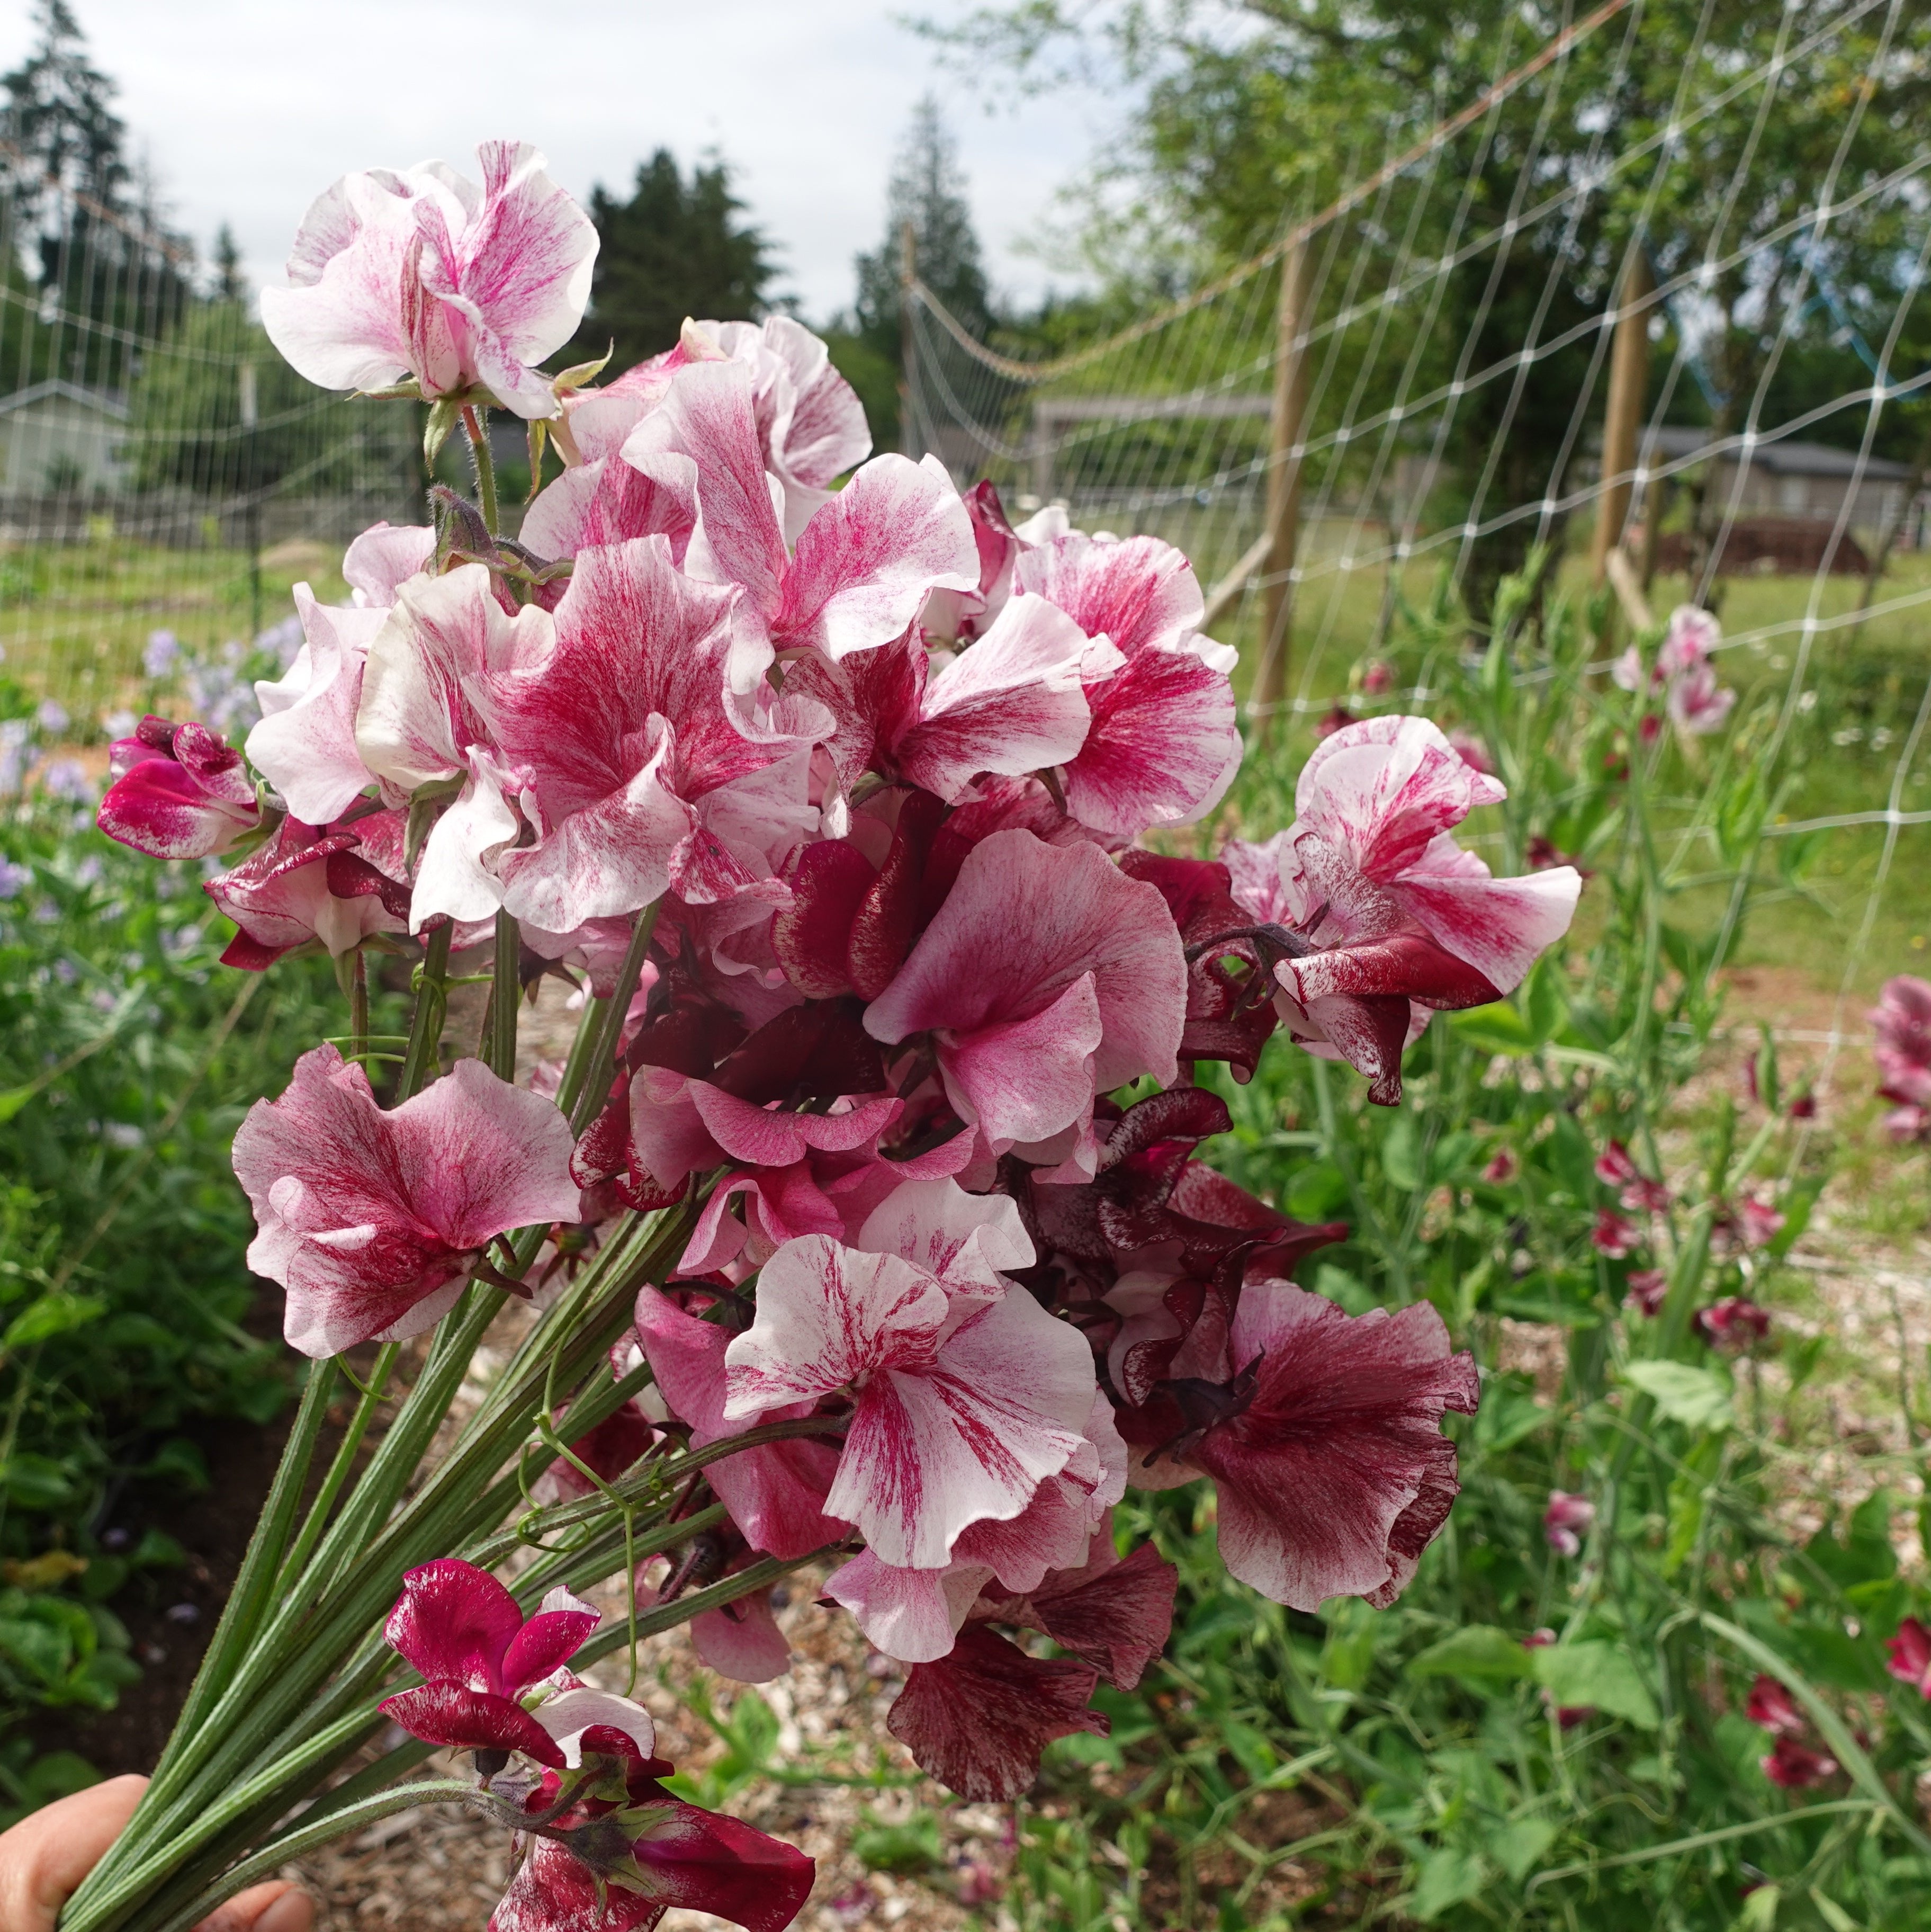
(248, 108)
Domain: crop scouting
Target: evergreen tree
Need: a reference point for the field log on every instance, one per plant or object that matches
(928, 189)
(77, 221)
(673, 249)
(230, 284)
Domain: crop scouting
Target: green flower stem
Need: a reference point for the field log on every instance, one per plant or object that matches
(667, 1616)
(272, 1857)
(583, 1103)
(279, 1697)
(295, 1656)
(475, 427)
(425, 1026)
(339, 1470)
(254, 1585)
(505, 996)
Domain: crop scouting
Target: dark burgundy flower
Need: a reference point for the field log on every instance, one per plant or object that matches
(464, 1632)
(1326, 1447)
(1796, 1767)
(1769, 1704)
(623, 1863)
(979, 1717)
(1734, 1325)
(1613, 1236)
(1908, 1656)
(180, 791)
(1648, 1288)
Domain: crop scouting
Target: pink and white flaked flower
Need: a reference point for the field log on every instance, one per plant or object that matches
(425, 273)
(372, 1221)
(967, 1396)
(178, 792)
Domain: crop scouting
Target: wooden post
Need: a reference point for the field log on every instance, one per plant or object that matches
(1284, 488)
(1623, 419)
(908, 273)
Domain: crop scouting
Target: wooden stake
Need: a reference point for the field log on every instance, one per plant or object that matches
(1623, 420)
(1284, 488)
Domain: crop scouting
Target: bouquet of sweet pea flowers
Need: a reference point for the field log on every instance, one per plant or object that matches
(865, 1221)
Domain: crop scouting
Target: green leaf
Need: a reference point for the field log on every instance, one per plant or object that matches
(1402, 1154)
(1446, 1878)
(913, 1846)
(1315, 1192)
(1596, 1676)
(1495, 1028)
(1337, 1284)
(1479, 1651)
(1545, 999)
(1698, 1398)
(178, 1460)
(444, 415)
(49, 1314)
(1518, 1847)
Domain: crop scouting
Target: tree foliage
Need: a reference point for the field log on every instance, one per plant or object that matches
(79, 227)
(676, 247)
(1250, 113)
(928, 190)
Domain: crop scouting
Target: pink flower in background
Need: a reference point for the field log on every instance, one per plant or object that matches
(1902, 1022)
(1612, 1235)
(1761, 1222)
(178, 792)
(1769, 1704)
(1697, 704)
(1503, 1166)
(1693, 633)
(1615, 1167)
(1648, 1289)
(1378, 678)
(424, 273)
(1565, 1520)
(1470, 750)
(371, 1221)
(1796, 1767)
(1908, 1656)
(1733, 1324)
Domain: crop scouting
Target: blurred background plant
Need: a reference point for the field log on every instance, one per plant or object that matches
(127, 1056)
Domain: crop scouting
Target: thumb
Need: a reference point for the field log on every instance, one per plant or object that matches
(43, 1858)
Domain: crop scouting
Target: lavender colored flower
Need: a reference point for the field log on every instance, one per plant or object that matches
(52, 718)
(12, 877)
(161, 653)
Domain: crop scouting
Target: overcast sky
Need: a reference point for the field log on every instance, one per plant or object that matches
(248, 108)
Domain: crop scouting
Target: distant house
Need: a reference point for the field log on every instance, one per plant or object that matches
(56, 437)
(1803, 481)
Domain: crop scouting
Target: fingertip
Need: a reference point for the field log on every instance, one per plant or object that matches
(275, 1907)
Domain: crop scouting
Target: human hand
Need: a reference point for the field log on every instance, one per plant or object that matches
(43, 1858)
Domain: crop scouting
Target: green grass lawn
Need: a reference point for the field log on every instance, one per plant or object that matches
(75, 618)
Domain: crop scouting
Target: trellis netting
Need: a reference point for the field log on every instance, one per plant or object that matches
(1416, 377)
(164, 478)
(1357, 431)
